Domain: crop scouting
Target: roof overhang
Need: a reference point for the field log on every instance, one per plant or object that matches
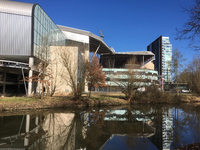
(93, 40)
(127, 55)
(141, 53)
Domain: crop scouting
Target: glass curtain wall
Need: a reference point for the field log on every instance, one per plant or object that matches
(166, 59)
(46, 34)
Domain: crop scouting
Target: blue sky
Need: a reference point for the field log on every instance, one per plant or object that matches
(127, 25)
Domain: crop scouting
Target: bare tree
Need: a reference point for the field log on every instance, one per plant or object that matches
(191, 28)
(177, 65)
(54, 69)
(193, 74)
(74, 69)
(130, 80)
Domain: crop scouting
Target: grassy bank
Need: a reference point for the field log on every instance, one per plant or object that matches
(110, 99)
(25, 103)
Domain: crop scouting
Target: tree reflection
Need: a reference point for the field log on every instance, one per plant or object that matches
(137, 127)
(186, 121)
(57, 132)
(94, 127)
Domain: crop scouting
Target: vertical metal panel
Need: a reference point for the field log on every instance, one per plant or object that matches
(13, 7)
(15, 34)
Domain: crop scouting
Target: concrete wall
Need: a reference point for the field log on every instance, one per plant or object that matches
(61, 79)
(149, 65)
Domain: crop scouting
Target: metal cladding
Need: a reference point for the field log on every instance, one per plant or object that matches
(23, 27)
(18, 8)
(15, 29)
(15, 34)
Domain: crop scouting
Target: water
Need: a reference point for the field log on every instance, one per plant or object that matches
(148, 127)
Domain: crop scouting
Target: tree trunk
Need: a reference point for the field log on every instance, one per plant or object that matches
(90, 93)
(177, 89)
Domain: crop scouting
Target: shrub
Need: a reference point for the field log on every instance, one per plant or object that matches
(157, 97)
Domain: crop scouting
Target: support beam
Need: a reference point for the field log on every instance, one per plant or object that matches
(24, 81)
(86, 59)
(4, 83)
(113, 63)
(143, 60)
(31, 65)
(96, 50)
(26, 141)
(36, 123)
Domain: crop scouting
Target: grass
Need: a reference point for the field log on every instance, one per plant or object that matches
(18, 99)
(97, 99)
(106, 96)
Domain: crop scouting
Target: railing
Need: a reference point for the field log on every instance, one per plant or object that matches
(148, 60)
(14, 64)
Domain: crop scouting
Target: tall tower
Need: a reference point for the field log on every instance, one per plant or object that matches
(162, 49)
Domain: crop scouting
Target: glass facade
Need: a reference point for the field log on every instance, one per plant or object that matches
(46, 33)
(162, 49)
(166, 59)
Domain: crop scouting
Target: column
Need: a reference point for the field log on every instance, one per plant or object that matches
(4, 83)
(36, 123)
(26, 141)
(87, 59)
(30, 74)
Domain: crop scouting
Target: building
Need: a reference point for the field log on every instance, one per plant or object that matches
(116, 68)
(25, 31)
(162, 49)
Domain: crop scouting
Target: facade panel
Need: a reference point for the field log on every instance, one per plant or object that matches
(15, 34)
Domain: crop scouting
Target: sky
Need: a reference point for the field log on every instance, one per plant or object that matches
(127, 25)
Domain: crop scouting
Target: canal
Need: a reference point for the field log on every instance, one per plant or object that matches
(148, 127)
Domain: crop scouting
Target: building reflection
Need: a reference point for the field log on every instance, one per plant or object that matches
(94, 129)
(53, 131)
(156, 130)
(167, 131)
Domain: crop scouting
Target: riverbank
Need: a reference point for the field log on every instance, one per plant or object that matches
(106, 99)
(25, 103)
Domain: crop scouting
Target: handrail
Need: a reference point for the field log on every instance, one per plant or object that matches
(148, 60)
(14, 64)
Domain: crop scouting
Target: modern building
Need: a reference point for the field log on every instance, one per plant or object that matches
(162, 49)
(25, 31)
(116, 68)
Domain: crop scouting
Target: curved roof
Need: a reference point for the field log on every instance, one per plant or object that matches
(13, 7)
(94, 39)
(136, 53)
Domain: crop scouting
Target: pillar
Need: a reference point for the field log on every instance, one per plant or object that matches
(30, 74)
(26, 141)
(143, 60)
(4, 83)
(87, 59)
(36, 123)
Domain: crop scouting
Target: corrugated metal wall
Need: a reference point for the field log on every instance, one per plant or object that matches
(15, 34)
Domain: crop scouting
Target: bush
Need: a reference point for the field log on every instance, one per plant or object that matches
(156, 97)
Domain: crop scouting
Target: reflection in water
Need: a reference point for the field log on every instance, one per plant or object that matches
(60, 129)
(167, 132)
(135, 127)
(54, 132)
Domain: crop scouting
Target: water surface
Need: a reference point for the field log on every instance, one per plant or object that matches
(148, 127)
